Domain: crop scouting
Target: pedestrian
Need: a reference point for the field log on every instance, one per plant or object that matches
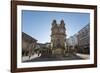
(29, 56)
(38, 53)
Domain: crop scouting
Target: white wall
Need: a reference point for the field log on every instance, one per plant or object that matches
(5, 36)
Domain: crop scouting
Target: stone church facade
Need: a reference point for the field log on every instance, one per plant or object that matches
(58, 38)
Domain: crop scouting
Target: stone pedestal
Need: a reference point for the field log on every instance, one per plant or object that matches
(58, 52)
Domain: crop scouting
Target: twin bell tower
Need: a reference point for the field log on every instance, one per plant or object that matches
(58, 38)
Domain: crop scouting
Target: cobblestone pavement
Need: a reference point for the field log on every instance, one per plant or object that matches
(69, 57)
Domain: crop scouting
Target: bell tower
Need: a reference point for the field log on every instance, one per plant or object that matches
(58, 38)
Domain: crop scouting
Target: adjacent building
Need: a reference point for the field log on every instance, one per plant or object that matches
(80, 42)
(44, 49)
(72, 43)
(84, 40)
(28, 44)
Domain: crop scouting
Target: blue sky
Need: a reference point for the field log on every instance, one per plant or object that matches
(38, 23)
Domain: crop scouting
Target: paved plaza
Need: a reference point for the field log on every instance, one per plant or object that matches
(36, 58)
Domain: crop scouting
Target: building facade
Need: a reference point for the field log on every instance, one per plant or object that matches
(28, 44)
(44, 49)
(84, 40)
(73, 43)
(58, 38)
